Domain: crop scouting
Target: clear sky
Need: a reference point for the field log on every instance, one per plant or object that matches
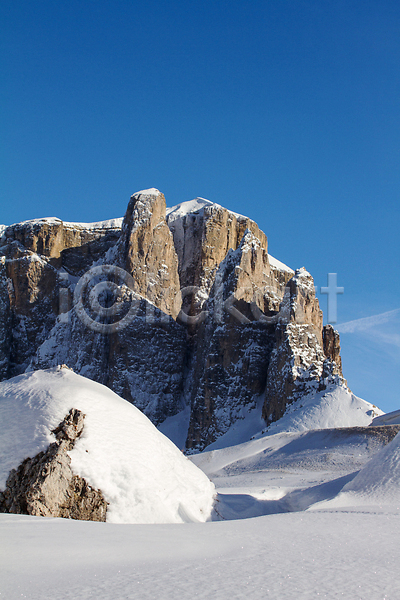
(284, 110)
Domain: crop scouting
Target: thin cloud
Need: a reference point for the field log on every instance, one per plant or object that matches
(367, 322)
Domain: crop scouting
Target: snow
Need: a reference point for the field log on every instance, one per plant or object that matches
(392, 418)
(195, 206)
(176, 427)
(148, 192)
(287, 551)
(277, 264)
(107, 224)
(279, 557)
(141, 473)
(376, 484)
(336, 406)
(248, 424)
(186, 208)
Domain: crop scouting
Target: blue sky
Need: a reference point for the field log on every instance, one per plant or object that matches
(286, 111)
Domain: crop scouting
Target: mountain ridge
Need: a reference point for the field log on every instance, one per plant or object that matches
(174, 309)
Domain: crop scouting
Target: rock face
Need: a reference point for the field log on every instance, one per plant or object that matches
(331, 341)
(45, 485)
(147, 251)
(169, 308)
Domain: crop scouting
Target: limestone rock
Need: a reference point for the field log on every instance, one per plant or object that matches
(49, 237)
(203, 239)
(331, 341)
(295, 367)
(297, 358)
(147, 251)
(29, 302)
(45, 485)
(5, 322)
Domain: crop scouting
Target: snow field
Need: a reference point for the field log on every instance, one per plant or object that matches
(302, 556)
(301, 514)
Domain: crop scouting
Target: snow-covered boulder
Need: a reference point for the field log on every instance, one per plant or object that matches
(142, 475)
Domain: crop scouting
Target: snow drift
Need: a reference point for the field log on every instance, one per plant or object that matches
(142, 474)
(377, 483)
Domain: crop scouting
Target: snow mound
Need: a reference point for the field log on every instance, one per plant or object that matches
(392, 418)
(381, 475)
(377, 483)
(336, 406)
(142, 474)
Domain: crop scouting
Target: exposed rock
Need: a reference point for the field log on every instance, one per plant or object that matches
(331, 342)
(49, 237)
(203, 239)
(42, 236)
(5, 321)
(29, 299)
(147, 251)
(297, 358)
(76, 260)
(231, 352)
(45, 485)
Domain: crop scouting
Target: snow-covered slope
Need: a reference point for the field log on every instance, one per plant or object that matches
(142, 474)
(191, 207)
(392, 418)
(377, 483)
(185, 208)
(285, 551)
(277, 264)
(334, 407)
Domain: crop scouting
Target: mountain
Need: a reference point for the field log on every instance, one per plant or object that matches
(180, 311)
(70, 447)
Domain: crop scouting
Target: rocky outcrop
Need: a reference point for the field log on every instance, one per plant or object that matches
(50, 237)
(231, 351)
(297, 357)
(203, 237)
(5, 321)
(169, 308)
(147, 252)
(331, 344)
(45, 485)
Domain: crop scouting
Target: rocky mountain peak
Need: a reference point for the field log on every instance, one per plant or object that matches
(179, 311)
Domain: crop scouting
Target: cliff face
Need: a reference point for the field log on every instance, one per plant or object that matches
(169, 308)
